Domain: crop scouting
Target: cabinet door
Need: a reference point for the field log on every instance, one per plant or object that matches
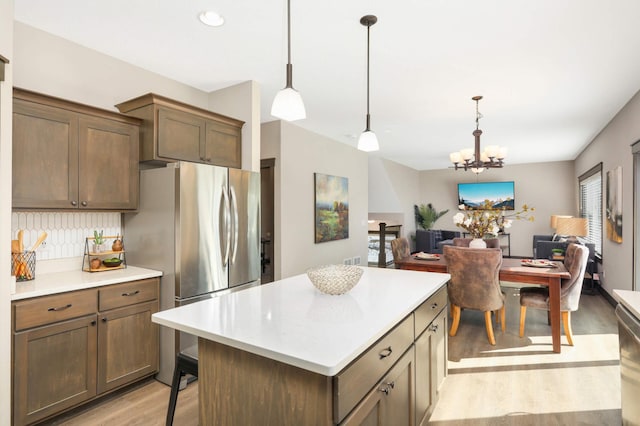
(45, 156)
(108, 164)
(430, 367)
(127, 345)
(55, 368)
(180, 136)
(223, 145)
(390, 402)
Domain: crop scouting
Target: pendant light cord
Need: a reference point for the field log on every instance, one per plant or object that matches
(288, 31)
(368, 38)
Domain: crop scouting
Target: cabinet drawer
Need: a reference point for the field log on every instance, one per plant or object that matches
(130, 293)
(426, 312)
(50, 309)
(355, 381)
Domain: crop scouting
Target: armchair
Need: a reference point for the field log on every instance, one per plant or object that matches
(433, 240)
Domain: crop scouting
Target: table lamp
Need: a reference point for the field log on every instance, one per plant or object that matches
(572, 227)
(554, 223)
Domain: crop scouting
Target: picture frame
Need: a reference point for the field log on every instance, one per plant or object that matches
(614, 205)
(331, 208)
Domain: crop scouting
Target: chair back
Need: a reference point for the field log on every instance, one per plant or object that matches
(400, 248)
(576, 259)
(464, 242)
(474, 282)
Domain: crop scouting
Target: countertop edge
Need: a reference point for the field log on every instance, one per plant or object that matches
(65, 281)
(323, 369)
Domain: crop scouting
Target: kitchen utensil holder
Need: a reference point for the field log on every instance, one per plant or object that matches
(23, 265)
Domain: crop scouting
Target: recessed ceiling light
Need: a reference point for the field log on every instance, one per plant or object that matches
(211, 18)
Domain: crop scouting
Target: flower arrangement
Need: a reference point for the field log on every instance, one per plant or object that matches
(488, 220)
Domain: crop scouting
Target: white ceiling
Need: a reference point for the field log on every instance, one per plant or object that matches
(552, 72)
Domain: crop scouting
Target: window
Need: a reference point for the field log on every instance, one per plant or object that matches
(591, 204)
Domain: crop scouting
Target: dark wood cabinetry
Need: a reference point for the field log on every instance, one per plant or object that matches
(69, 348)
(174, 131)
(72, 156)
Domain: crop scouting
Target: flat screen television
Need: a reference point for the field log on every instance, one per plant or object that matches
(500, 194)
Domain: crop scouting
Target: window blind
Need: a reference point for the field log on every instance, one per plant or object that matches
(591, 205)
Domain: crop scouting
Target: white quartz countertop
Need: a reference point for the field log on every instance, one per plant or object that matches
(292, 322)
(60, 282)
(629, 299)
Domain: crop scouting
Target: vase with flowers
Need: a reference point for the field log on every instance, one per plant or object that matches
(488, 221)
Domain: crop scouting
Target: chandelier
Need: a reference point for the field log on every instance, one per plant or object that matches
(474, 160)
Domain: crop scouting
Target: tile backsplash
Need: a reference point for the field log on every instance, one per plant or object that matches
(66, 231)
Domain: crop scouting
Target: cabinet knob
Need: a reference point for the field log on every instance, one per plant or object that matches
(74, 203)
(84, 204)
(386, 352)
(104, 319)
(434, 306)
(385, 390)
(434, 327)
(93, 322)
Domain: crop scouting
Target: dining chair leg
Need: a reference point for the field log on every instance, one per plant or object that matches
(566, 322)
(523, 314)
(503, 314)
(455, 321)
(489, 326)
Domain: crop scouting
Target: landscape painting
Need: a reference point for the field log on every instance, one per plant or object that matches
(614, 204)
(331, 208)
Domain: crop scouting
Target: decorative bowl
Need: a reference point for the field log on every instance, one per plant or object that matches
(335, 279)
(111, 263)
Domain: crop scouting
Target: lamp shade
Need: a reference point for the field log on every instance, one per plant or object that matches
(368, 141)
(288, 105)
(554, 220)
(573, 226)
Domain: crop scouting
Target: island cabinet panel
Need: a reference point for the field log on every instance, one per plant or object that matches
(174, 131)
(72, 156)
(248, 389)
(72, 347)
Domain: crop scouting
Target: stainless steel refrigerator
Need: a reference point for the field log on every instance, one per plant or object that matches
(199, 225)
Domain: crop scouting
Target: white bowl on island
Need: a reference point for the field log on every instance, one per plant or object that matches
(335, 279)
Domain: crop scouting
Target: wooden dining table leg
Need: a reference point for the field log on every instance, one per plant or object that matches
(554, 309)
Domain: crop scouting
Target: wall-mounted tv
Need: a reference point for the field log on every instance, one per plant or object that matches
(500, 194)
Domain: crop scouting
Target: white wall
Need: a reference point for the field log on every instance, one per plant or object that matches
(299, 154)
(612, 147)
(6, 50)
(548, 187)
(393, 189)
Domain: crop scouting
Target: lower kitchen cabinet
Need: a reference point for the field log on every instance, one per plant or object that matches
(390, 402)
(54, 368)
(72, 347)
(431, 366)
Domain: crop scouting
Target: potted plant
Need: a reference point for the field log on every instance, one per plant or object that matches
(98, 242)
(426, 215)
(557, 253)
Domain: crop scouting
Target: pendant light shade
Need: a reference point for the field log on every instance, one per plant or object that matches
(368, 141)
(288, 105)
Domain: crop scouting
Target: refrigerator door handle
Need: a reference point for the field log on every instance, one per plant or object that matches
(234, 226)
(227, 231)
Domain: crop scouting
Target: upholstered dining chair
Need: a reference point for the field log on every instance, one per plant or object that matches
(475, 284)
(400, 248)
(575, 260)
(464, 242)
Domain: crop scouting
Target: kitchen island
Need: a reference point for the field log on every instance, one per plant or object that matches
(284, 353)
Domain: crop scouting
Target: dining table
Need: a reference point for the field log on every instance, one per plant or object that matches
(512, 270)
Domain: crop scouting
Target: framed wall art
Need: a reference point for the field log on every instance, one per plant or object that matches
(614, 205)
(331, 199)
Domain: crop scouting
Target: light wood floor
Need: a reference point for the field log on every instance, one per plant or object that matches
(517, 382)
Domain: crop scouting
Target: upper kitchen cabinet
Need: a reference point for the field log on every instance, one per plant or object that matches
(174, 131)
(72, 156)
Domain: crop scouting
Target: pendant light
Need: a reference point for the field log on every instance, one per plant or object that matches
(368, 141)
(288, 104)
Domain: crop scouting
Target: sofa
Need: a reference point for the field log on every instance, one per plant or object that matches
(433, 240)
